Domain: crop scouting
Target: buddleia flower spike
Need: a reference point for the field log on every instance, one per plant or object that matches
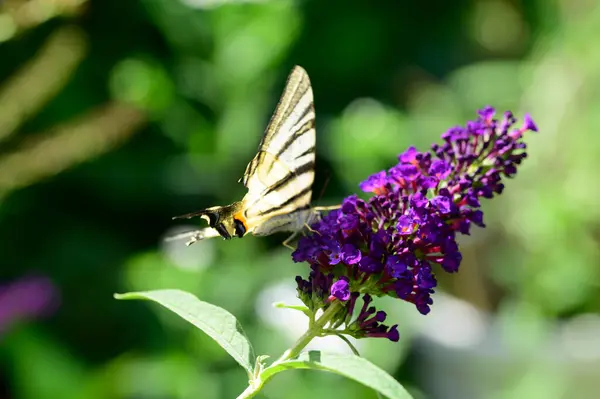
(394, 243)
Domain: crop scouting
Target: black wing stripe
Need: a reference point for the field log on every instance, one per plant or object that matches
(293, 137)
(307, 152)
(290, 200)
(309, 107)
(297, 96)
(290, 177)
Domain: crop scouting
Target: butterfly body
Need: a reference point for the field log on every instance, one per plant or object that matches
(279, 178)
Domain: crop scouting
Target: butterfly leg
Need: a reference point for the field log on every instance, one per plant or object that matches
(195, 238)
(327, 208)
(310, 229)
(286, 243)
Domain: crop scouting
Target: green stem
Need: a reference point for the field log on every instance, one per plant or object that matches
(248, 392)
(347, 341)
(315, 330)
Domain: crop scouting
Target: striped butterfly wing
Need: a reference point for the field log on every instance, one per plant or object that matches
(280, 177)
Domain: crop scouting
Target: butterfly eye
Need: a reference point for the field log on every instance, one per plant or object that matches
(240, 229)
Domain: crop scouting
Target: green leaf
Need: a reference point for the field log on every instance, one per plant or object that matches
(301, 308)
(350, 366)
(218, 323)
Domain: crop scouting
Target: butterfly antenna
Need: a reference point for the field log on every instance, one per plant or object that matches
(327, 179)
(211, 215)
(194, 214)
(188, 215)
(326, 208)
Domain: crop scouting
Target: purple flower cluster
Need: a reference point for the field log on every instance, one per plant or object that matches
(390, 244)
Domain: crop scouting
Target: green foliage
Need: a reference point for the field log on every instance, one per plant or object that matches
(350, 366)
(117, 115)
(219, 324)
(224, 328)
(142, 83)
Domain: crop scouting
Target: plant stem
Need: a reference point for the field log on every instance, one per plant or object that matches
(249, 392)
(315, 330)
(347, 341)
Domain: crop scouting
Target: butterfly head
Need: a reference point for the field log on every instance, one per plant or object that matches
(228, 221)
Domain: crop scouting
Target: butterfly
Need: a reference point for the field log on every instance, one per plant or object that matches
(279, 178)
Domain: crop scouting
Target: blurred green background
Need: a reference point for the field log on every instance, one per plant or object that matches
(116, 115)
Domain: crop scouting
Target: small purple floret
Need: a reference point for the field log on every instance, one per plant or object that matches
(374, 183)
(529, 124)
(351, 254)
(341, 289)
